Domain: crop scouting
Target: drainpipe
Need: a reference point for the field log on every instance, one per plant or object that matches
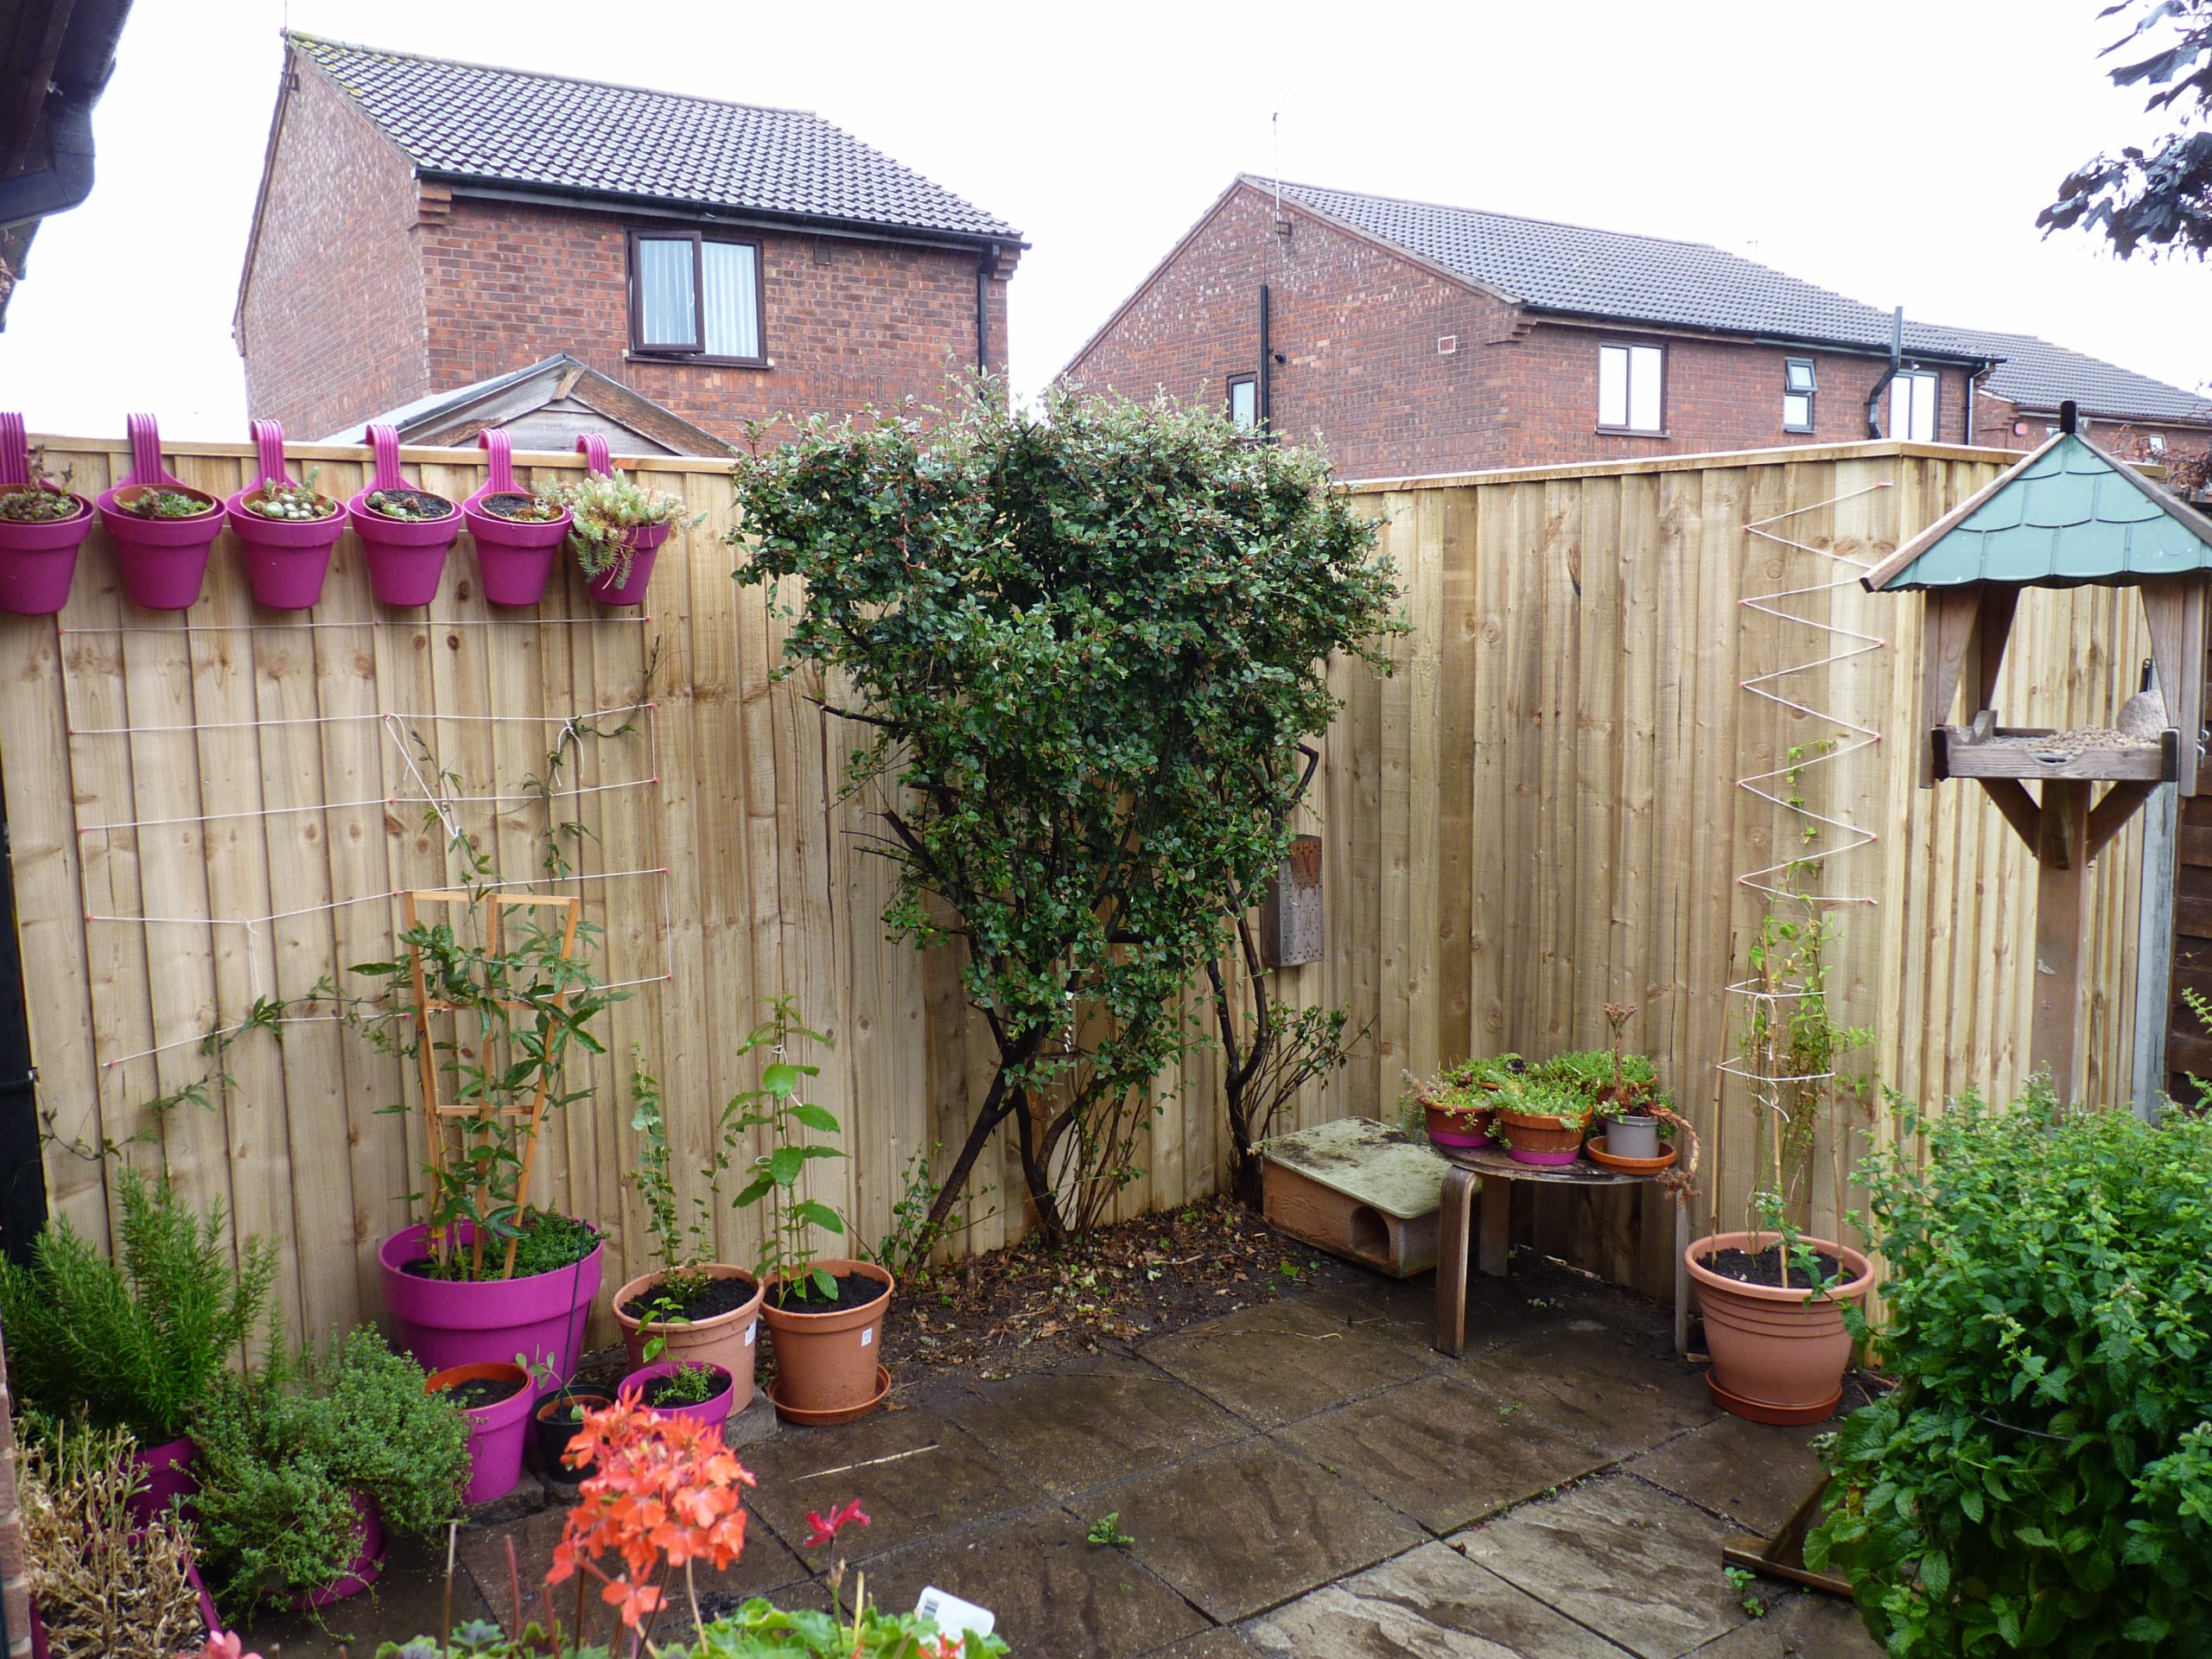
(1266, 399)
(984, 267)
(67, 180)
(1897, 362)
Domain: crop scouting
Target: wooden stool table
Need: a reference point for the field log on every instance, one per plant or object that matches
(1480, 1167)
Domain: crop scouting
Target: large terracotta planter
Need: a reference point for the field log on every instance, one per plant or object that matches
(496, 1431)
(38, 559)
(729, 1340)
(1778, 1354)
(285, 560)
(445, 1322)
(164, 560)
(827, 1361)
(514, 560)
(406, 556)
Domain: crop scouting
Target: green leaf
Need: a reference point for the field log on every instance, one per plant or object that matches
(825, 1281)
(780, 1079)
(819, 1214)
(785, 1164)
(815, 1117)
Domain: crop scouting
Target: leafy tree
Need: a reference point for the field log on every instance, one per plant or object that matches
(1085, 644)
(2159, 199)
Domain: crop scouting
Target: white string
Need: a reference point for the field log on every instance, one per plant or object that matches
(392, 725)
(342, 806)
(338, 720)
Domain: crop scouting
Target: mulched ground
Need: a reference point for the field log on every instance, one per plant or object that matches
(1027, 1306)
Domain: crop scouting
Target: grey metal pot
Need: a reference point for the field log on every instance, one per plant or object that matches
(1634, 1136)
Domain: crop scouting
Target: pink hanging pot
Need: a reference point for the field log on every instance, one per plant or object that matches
(404, 532)
(285, 530)
(515, 556)
(41, 527)
(623, 582)
(161, 527)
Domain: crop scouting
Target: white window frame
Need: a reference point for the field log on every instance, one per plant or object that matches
(1915, 405)
(1800, 382)
(1641, 371)
(1249, 383)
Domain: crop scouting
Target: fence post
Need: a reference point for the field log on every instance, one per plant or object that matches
(2154, 951)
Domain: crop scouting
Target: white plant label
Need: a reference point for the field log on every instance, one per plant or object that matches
(749, 1333)
(867, 1337)
(954, 1616)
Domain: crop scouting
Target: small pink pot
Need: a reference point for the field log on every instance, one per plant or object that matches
(642, 541)
(285, 560)
(37, 561)
(367, 1564)
(406, 557)
(515, 560)
(169, 1476)
(450, 1322)
(163, 561)
(495, 1432)
(713, 1412)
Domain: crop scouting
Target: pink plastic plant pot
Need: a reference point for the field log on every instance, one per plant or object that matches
(169, 1476)
(445, 1322)
(496, 1432)
(516, 560)
(164, 560)
(37, 561)
(713, 1412)
(1544, 1160)
(406, 557)
(643, 541)
(367, 1564)
(285, 561)
(39, 1649)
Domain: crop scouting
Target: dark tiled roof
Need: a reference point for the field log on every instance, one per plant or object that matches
(509, 127)
(2038, 375)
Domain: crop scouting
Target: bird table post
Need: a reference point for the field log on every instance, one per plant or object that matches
(2067, 515)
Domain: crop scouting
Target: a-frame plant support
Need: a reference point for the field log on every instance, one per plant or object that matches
(2067, 515)
(443, 1118)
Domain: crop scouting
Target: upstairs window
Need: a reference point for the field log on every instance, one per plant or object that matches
(1631, 383)
(1798, 385)
(1913, 406)
(695, 296)
(1244, 403)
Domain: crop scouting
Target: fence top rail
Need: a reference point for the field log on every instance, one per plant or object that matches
(1782, 455)
(471, 455)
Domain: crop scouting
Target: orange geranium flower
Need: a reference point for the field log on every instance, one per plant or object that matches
(668, 1492)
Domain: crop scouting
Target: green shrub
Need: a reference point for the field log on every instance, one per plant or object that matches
(282, 1452)
(137, 1345)
(756, 1630)
(2041, 1481)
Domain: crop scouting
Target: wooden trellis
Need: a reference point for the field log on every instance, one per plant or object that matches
(439, 1114)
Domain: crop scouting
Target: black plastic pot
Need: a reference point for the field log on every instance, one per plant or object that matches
(552, 1434)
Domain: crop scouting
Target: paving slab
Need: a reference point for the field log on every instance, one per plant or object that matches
(915, 1473)
(1251, 1524)
(1636, 1564)
(409, 1602)
(1057, 1595)
(1069, 1431)
(1442, 1452)
(1432, 1603)
(1219, 1644)
(1597, 1386)
(1798, 1625)
(765, 1566)
(1273, 1365)
(1753, 1474)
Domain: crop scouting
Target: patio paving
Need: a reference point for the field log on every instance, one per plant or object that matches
(1306, 1476)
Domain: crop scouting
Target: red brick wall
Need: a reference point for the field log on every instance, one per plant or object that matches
(844, 322)
(1360, 328)
(1994, 419)
(333, 318)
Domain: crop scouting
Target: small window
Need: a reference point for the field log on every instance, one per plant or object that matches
(2157, 441)
(1244, 403)
(1798, 385)
(1630, 387)
(1913, 406)
(693, 297)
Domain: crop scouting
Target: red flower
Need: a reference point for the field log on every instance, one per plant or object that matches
(840, 1517)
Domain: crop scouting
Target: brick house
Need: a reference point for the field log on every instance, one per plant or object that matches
(424, 226)
(1413, 338)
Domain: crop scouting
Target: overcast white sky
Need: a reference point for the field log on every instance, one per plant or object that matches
(1895, 149)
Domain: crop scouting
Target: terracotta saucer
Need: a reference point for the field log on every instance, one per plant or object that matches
(1603, 1160)
(824, 1419)
(1759, 1411)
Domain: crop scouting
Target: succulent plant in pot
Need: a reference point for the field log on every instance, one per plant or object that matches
(161, 527)
(285, 530)
(1543, 1121)
(691, 1307)
(616, 525)
(41, 527)
(518, 530)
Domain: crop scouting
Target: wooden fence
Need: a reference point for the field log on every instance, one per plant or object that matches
(1535, 814)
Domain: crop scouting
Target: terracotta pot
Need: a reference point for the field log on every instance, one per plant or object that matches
(1774, 1349)
(729, 1340)
(1449, 1128)
(827, 1361)
(1539, 1137)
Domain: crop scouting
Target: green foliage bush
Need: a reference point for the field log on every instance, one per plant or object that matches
(282, 1452)
(756, 1630)
(136, 1345)
(2041, 1481)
